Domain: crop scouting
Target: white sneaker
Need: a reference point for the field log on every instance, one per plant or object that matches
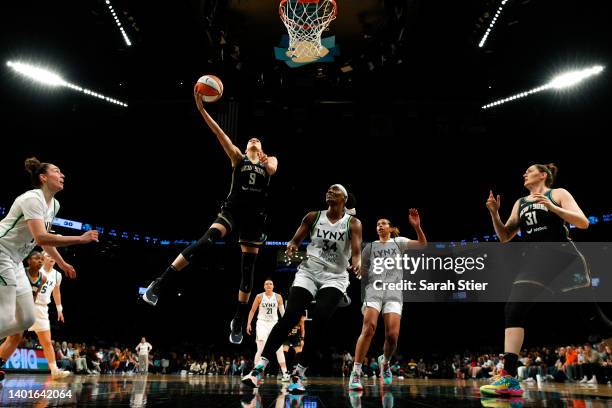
(584, 380)
(592, 380)
(401, 377)
(60, 374)
(286, 377)
(529, 380)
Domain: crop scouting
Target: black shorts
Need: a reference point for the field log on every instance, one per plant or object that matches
(249, 225)
(558, 267)
(294, 341)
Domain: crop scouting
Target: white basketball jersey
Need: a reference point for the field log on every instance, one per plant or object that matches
(15, 238)
(54, 278)
(330, 244)
(268, 308)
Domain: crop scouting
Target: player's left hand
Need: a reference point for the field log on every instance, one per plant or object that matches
(414, 218)
(356, 269)
(263, 158)
(60, 317)
(542, 199)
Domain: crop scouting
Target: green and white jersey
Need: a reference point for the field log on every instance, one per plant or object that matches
(15, 238)
(268, 308)
(330, 244)
(54, 278)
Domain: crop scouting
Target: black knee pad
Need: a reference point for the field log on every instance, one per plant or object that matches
(208, 239)
(247, 271)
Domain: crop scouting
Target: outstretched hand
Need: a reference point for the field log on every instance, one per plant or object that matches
(414, 218)
(493, 203)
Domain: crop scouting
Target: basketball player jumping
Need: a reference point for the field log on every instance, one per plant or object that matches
(243, 212)
(335, 241)
(267, 305)
(541, 217)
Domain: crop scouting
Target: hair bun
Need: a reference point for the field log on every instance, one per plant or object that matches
(32, 164)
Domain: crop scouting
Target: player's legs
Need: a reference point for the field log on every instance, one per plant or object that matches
(299, 299)
(260, 346)
(8, 305)
(15, 294)
(517, 309)
(217, 230)
(247, 272)
(280, 357)
(392, 329)
(368, 329)
(328, 299)
(44, 337)
(392, 317)
(22, 309)
(371, 311)
(262, 332)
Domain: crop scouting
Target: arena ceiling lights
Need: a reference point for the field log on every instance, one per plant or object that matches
(562, 81)
(50, 78)
(118, 23)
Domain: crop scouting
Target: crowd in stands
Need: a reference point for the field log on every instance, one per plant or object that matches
(587, 363)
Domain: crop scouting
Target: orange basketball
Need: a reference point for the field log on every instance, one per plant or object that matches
(210, 88)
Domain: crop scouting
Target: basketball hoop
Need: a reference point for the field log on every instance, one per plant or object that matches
(305, 21)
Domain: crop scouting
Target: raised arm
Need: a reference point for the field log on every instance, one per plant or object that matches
(269, 162)
(507, 231)
(300, 234)
(230, 149)
(415, 220)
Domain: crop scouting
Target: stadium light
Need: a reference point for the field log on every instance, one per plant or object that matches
(492, 24)
(118, 23)
(559, 82)
(50, 78)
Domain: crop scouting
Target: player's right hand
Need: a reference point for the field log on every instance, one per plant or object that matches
(198, 100)
(291, 250)
(248, 330)
(493, 203)
(89, 236)
(68, 270)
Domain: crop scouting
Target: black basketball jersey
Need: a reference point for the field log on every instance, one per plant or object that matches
(296, 330)
(250, 183)
(537, 224)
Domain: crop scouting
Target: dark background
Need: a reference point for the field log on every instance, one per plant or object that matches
(403, 129)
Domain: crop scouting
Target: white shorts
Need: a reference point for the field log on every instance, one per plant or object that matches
(263, 329)
(13, 274)
(315, 280)
(386, 307)
(42, 322)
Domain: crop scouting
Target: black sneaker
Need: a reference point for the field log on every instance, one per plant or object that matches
(151, 295)
(236, 331)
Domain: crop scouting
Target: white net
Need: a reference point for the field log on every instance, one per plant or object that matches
(305, 21)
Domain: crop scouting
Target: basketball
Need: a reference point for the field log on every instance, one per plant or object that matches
(210, 88)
